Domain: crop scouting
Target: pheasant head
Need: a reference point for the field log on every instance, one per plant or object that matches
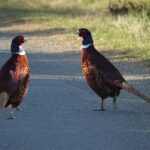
(16, 45)
(86, 35)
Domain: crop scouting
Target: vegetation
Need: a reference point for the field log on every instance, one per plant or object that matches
(130, 6)
(122, 33)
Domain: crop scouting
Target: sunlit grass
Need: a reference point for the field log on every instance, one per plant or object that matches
(128, 33)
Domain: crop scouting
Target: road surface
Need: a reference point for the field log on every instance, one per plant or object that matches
(57, 113)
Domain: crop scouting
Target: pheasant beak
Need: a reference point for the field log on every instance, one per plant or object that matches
(77, 33)
(25, 40)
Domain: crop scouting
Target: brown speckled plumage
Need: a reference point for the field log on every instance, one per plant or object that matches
(14, 76)
(91, 66)
(101, 75)
(18, 67)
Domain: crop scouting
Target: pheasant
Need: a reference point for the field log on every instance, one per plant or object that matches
(101, 75)
(14, 77)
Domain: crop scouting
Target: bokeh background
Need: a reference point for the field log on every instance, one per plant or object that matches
(122, 26)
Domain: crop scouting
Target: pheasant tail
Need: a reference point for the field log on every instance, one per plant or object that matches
(3, 99)
(134, 91)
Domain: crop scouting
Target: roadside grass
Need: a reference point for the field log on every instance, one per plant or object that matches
(121, 34)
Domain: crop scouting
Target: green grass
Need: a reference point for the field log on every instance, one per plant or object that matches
(123, 33)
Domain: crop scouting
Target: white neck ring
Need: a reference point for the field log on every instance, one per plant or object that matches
(86, 46)
(20, 53)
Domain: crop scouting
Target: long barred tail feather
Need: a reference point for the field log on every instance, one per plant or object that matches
(134, 91)
(4, 96)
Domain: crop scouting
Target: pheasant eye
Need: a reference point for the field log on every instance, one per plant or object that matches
(19, 38)
(83, 33)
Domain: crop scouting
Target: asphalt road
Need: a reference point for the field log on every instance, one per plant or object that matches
(57, 113)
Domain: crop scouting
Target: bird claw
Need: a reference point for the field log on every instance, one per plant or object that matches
(11, 114)
(102, 109)
(115, 108)
(18, 108)
(11, 117)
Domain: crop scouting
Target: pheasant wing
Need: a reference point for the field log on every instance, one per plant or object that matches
(106, 71)
(8, 81)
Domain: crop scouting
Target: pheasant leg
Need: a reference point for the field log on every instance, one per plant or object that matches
(114, 103)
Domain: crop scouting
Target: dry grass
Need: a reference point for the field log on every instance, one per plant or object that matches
(50, 26)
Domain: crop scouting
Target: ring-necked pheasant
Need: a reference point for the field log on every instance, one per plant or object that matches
(14, 76)
(101, 75)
